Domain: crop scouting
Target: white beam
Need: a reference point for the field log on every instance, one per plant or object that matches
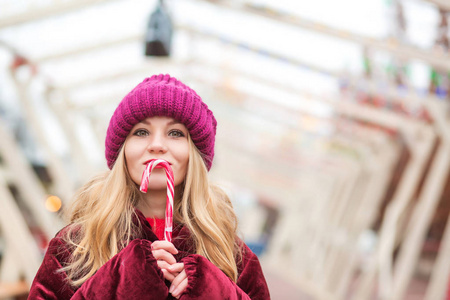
(56, 8)
(391, 91)
(440, 61)
(444, 4)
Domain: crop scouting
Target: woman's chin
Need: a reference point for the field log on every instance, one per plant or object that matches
(157, 186)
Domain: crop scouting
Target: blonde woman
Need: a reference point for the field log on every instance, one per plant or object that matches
(113, 247)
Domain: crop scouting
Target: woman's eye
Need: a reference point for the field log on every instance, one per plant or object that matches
(176, 133)
(141, 132)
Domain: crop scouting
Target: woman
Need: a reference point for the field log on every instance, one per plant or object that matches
(112, 250)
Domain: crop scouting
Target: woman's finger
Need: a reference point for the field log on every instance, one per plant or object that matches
(180, 288)
(179, 284)
(165, 245)
(167, 275)
(176, 268)
(164, 255)
(179, 279)
(164, 265)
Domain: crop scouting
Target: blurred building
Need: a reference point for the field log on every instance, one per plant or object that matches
(333, 137)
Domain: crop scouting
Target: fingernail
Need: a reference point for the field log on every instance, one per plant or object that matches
(171, 289)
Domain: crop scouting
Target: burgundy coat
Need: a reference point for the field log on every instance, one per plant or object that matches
(133, 273)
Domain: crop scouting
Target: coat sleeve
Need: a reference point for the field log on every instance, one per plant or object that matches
(131, 274)
(206, 281)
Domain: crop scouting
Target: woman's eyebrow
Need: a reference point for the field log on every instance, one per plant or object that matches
(146, 122)
(173, 122)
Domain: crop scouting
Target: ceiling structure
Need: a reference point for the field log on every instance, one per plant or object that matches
(91, 52)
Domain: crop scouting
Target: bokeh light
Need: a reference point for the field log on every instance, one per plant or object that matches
(53, 203)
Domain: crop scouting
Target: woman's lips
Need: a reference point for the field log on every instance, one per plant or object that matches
(158, 166)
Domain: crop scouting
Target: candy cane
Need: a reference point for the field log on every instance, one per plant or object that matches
(168, 223)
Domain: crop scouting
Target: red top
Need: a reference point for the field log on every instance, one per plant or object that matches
(157, 227)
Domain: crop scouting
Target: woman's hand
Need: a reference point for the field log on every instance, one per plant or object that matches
(163, 252)
(180, 281)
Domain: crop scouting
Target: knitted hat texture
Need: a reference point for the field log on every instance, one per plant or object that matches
(162, 95)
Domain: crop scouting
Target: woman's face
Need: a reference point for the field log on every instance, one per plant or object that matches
(157, 138)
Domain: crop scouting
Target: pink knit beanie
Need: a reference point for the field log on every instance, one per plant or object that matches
(162, 95)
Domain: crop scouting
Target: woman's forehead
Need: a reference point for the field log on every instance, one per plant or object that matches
(160, 120)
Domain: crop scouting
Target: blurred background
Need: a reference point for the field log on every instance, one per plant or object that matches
(333, 138)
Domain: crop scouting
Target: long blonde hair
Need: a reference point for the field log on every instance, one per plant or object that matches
(208, 213)
(102, 213)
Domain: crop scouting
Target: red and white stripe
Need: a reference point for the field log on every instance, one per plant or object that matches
(170, 192)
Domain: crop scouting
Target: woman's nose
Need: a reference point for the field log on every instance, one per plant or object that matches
(157, 145)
